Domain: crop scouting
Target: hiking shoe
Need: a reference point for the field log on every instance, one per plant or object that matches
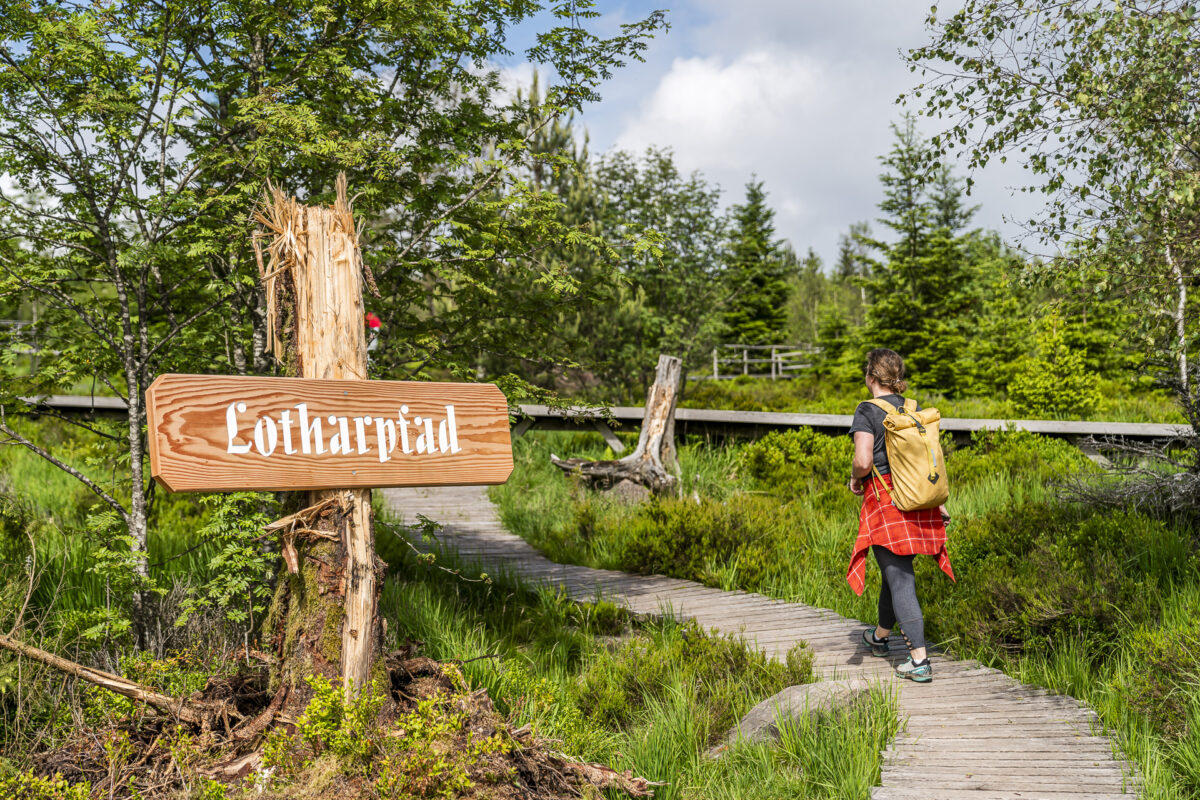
(879, 647)
(920, 674)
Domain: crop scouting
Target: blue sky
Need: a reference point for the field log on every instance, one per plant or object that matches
(797, 92)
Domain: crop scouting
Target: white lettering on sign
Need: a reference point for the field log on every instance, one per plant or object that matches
(368, 431)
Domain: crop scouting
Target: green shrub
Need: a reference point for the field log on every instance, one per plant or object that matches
(688, 539)
(1016, 454)
(798, 459)
(1055, 382)
(26, 786)
(1167, 672)
(1037, 573)
(550, 707)
(722, 672)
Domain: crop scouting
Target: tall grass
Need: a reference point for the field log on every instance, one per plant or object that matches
(551, 663)
(46, 523)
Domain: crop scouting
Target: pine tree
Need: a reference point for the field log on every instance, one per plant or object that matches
(922, 290)
(758, 271)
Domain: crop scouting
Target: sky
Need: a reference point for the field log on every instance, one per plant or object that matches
(800, 93)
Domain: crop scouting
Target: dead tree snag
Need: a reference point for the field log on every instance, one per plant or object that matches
(653, 463)
(325, 616)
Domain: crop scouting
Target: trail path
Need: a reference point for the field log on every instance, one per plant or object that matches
(973, 733)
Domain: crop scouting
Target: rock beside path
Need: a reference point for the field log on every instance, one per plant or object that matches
(761, 723)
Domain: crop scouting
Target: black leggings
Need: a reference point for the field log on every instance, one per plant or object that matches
(898, 596)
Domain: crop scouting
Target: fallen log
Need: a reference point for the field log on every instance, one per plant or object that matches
(653, 463)
(201, 714)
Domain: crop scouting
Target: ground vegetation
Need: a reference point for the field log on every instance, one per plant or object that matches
(1079, 598)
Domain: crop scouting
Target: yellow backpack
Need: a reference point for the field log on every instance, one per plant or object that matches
(914, 456)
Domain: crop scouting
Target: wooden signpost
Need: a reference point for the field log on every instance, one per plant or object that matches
(329, 432)
(214, 433)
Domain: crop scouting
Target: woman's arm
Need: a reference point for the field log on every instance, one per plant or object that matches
(864, 454)
(864, 457)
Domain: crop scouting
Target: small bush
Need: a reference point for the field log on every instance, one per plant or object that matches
(1055, 382)
(1166, 673)
(30, 787)
(1013, 454)
(723, 673)
(797, 459)
(1031, 575)
(688, 539)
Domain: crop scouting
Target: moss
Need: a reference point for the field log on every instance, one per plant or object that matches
(305, 614)
(331, 633)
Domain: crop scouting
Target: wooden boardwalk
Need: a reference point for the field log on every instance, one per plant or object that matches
(973, 733)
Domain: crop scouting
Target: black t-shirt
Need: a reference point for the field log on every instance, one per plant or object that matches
(868, 418)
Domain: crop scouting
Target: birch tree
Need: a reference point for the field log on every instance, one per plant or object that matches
(1099, 101)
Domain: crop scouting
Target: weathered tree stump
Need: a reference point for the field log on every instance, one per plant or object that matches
(653, 463)
(324, 619)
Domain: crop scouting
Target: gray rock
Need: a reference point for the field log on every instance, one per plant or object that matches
(761, 723)
(629, 492)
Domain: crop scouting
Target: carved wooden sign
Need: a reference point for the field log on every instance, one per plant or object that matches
(218, 433)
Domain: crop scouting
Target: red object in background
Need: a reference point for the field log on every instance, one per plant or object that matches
(373, 321)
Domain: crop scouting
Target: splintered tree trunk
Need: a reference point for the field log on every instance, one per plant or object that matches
(653, 463)
(324, 617)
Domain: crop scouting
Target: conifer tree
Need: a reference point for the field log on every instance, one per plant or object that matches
(921, 290)
(758, 272)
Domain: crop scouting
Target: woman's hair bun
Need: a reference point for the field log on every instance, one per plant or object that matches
(886, 368)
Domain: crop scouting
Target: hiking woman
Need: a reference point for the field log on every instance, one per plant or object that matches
(895, 537)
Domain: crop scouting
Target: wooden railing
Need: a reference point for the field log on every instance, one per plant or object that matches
(772, 361)
(719, 423)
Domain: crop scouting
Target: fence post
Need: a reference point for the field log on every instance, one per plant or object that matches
(774, 363)
(745, 361)
(716, 367)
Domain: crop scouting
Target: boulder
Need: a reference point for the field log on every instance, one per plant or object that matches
(761, 723)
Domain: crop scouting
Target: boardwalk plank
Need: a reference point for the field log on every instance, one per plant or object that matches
(973, 733)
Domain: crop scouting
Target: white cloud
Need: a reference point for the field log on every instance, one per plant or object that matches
(794, 120)
(800, 94)
(716, 113)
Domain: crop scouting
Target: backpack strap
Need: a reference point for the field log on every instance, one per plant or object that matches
(875, 484)
(885, 405)
(910, 405)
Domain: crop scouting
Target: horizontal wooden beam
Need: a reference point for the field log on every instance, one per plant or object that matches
(721, 422)
(750, 423)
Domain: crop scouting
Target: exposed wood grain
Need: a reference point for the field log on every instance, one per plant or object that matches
(190, 441)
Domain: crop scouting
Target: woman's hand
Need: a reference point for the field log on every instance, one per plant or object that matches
(856, 486)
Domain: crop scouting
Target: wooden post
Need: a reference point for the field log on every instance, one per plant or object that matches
(315, 283)
(716, 366)
(745, 361)
(332, 345)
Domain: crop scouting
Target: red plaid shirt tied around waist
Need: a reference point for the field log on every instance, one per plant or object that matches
(905, 533)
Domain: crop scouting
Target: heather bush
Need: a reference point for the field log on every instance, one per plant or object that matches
(689, 538)
(1031, 575)
(617, 687)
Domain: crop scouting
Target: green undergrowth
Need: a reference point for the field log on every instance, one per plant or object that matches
(1117, 401)
(646, 695)
(1099, 605)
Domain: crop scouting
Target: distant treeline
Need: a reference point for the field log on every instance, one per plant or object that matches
(971, 314)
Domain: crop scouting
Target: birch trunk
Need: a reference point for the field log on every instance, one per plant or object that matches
(1180, 316)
